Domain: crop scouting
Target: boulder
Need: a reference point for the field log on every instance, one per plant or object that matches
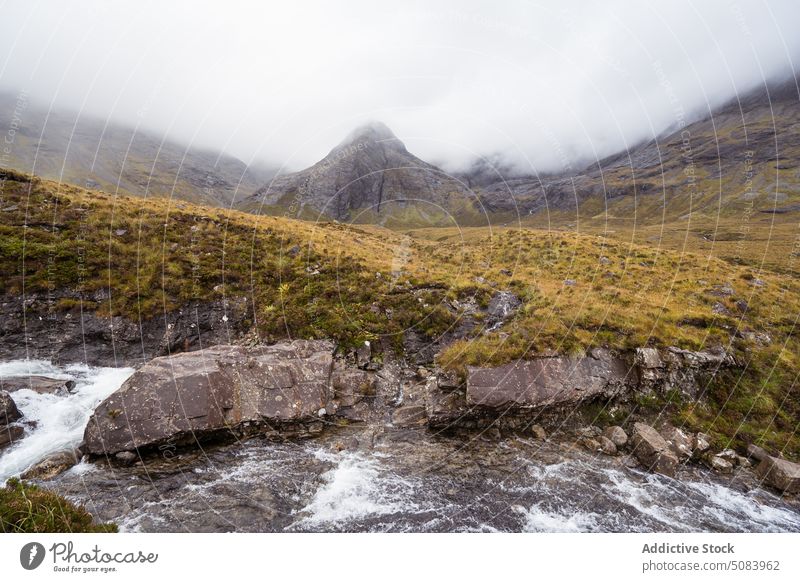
(8, 409)
(756, 452)
(617, 435)
(607, 446)
(590, 444)
(545, 382)
(719, 464)
(701, 443)
(780, 474)
(538, 432)
(39, 384)
(653, 451)
(53, 465)
(679, 442)
(218, 392)
(10, 434)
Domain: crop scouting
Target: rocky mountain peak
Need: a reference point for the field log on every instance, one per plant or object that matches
(372, 133)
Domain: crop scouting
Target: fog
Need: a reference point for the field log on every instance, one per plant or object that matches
(543, 85)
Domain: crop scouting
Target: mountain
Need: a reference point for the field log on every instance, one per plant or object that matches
(370, 177)
(79, 149)
(742, 158)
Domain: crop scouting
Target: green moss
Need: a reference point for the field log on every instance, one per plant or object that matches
(26, 508)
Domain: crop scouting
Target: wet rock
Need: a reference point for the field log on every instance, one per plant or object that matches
(216, 393)
(743, 462)
(617, 435)
(780, 474)
(679, 442)
(10, 434)
(653, 452)
(413, 415)
(701, 443)
(502, 305)
(351, 386)
(53, 465)
(729, 455)
(39, 384)
(719, 464)
(590, 444)
(8, 409)
(126, 458)
(607, 446)
(538, 432)
(543, 382)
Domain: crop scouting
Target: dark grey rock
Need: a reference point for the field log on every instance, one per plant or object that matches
(219, 392)
(8, 409)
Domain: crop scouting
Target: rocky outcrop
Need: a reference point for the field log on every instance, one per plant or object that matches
(216, 393)
(548, 382)
(677, 369)
(31, 327)
(8, 409)
(653, 452)
(781, 474)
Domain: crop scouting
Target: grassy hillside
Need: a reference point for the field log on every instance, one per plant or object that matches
(357, 283)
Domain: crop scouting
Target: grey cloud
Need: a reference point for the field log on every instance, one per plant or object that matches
(544, 85)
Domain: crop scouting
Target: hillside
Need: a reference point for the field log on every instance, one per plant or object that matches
(64, 146)
(68, 255)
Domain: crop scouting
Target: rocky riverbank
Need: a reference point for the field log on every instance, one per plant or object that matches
(175, 411)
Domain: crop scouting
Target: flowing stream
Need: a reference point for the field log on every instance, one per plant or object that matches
(358, 478)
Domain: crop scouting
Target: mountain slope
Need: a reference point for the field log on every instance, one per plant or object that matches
(742, 158)
(370, 177)
(89, 152)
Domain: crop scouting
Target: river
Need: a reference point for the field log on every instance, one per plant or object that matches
(356, 478)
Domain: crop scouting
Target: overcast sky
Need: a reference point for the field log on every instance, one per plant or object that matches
(544, 84)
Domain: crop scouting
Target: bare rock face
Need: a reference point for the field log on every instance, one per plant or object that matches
(217, 392)
(677, 369)
(653, 451)
(780, 474)
(545, 382)
(8, 409)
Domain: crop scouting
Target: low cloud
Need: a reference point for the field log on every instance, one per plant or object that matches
(544, 85)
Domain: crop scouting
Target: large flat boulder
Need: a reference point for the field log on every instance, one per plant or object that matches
(544, 382)
(218, 392)
(779, 473)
